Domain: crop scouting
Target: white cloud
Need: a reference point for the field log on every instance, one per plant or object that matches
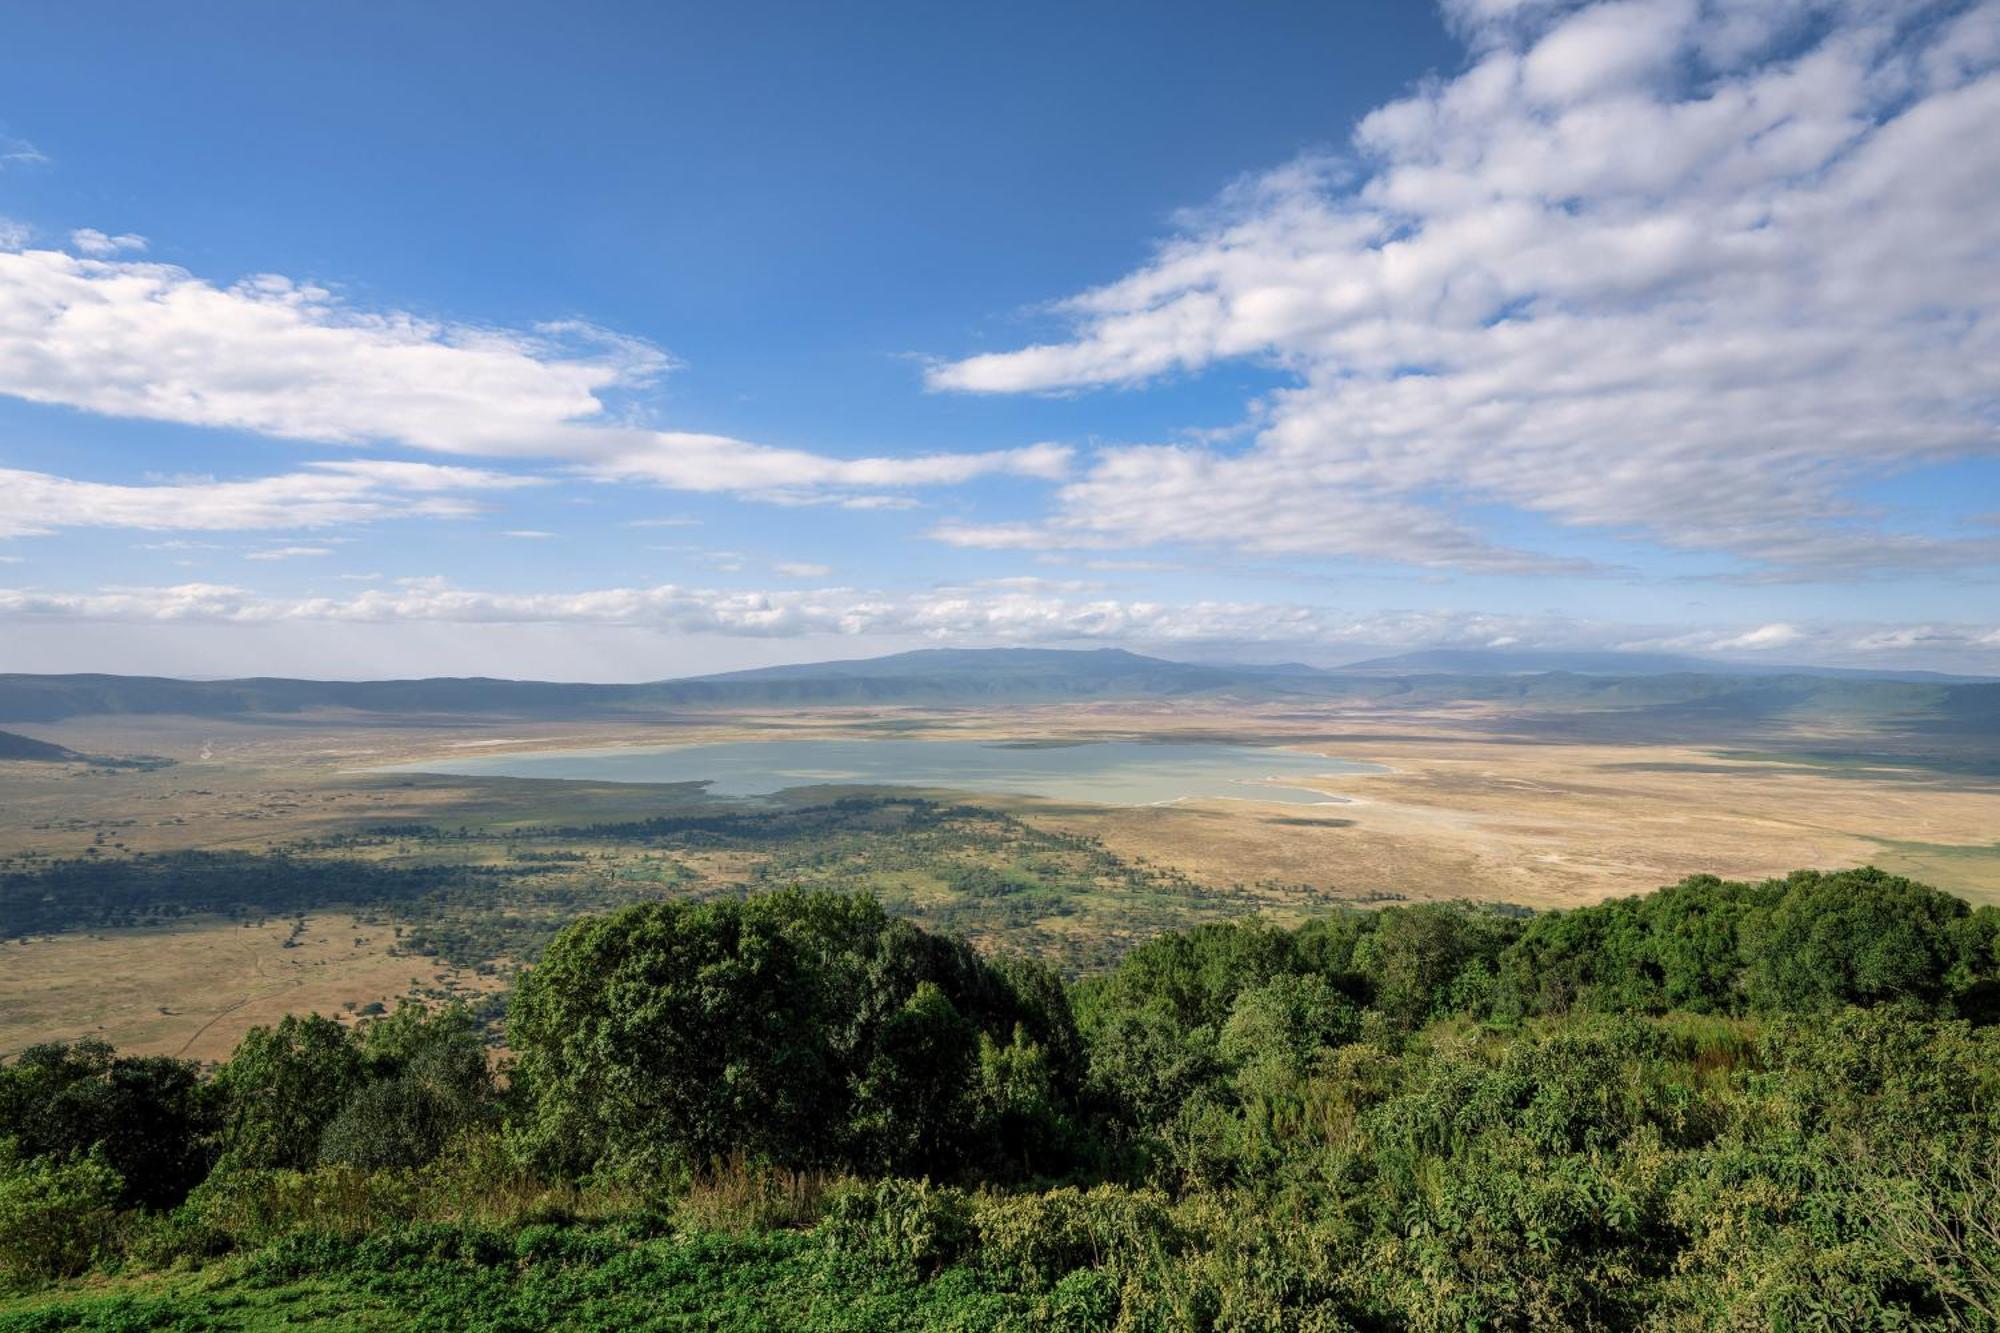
(794, 498)
(287, 359)
(1688, 270)
(345, 491)
(90, 241)
(528, 534)
(1014, 536)
(781, 476)
(134, 339)
(999, 612)
(403, 476)
(799, 569)
(287, 552)
(1761, 639)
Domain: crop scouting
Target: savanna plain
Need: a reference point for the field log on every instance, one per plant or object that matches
(1472, 802)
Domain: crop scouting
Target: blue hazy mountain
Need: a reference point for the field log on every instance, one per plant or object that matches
(1655, 687)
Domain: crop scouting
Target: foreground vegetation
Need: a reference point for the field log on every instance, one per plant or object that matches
(1721, 1105)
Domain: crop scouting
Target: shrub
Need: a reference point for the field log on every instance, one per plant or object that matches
(56, 1217)
(249, 1208)
(912, 1224)
(1036, 1240)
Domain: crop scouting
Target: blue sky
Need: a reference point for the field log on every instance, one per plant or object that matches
(610, 341)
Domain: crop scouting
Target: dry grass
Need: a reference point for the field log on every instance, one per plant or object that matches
(739, 1196)
(193, 988)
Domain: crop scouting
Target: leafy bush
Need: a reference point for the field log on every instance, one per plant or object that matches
(56, 1216)
(1037, 1240)
(913, 1225)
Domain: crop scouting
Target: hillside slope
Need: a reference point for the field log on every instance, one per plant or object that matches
(13, 745)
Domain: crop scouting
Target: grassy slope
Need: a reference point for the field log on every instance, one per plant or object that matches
(458, 1278)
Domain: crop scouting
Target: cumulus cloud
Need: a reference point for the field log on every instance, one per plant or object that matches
(1687, 270)
(996, 612)
(287, 359)
(90, 241)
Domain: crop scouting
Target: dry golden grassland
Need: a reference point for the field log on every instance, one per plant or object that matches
(193, 987)
(1466, 807)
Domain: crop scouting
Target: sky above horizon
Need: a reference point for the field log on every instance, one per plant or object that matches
(610, 342)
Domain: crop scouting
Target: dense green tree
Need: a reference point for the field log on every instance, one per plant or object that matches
(149, 1117)
(1428, 960)
(282, 1087)
(424, 1080)
(1286, 1023)
(1855, 937)
(797, 1028)
(1192, 977)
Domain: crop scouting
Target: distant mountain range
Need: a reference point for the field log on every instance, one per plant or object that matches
(1660, 687)
(1507, 662)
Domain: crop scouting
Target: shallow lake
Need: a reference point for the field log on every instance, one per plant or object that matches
(1099, 772)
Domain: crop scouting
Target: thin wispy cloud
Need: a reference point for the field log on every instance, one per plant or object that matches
(38, 504)
(16, 152)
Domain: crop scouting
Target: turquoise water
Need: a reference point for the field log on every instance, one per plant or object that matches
(1098, 772)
